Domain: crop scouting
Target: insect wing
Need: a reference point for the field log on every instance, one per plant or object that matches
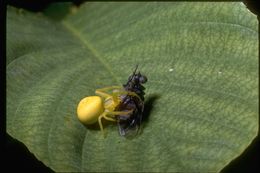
(130, 125)
(129, 129)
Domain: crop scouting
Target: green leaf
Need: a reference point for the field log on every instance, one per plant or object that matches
(201, 60)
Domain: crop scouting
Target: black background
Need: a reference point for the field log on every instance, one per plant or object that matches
(18, 158)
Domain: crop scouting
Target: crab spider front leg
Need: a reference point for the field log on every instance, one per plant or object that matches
(129, 93)
(120, 112)
(100, 123)
(102, 92)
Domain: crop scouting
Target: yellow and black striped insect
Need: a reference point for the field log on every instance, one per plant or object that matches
(124, 105)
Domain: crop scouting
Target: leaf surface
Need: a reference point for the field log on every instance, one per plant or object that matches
(201, 97)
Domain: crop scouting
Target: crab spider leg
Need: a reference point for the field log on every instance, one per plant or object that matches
(102, 92)
(119, 112)
(129, 93)
(108, 118)
(114, 95)
(104, 115)
(100, 123)
(116, 113)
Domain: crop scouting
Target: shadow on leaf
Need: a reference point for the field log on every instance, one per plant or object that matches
(148, 106)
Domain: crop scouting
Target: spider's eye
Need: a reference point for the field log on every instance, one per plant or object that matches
(142, 79)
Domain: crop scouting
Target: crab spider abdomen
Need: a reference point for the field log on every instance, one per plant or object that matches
(89, 109)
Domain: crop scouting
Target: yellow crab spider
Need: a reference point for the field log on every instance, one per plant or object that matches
(92, 109)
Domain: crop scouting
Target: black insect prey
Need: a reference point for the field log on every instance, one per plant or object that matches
(129, 125)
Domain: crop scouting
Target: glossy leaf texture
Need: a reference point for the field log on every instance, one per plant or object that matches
(201, 60)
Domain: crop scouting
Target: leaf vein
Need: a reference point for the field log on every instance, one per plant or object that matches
(87, 45)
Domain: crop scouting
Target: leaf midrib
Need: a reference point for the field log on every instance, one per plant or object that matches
(90, 48)
(77, 34)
